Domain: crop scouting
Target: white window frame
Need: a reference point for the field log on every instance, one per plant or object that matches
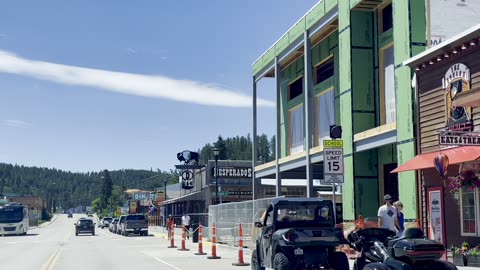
(477, 219)
(290, 130)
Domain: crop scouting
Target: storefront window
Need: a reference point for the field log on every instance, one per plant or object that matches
(469, 212)
(297, 130)
(325, 115)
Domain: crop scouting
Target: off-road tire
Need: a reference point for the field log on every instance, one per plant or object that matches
(254, 262)
(339, 261)
(280, 262)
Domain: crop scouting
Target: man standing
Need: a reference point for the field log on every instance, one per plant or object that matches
(387, 215)
(186, 223)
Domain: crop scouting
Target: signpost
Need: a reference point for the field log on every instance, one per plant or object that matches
(333, 166)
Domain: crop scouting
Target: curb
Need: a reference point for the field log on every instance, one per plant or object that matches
(45, 224)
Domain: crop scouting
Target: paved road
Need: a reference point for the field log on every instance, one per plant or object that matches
(55, 247)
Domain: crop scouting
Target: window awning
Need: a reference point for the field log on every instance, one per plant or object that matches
(455, 156)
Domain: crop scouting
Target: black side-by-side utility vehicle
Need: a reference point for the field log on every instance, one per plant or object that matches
(299, 233)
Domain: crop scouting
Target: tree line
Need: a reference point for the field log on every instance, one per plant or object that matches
(239, 148)
(67, 189)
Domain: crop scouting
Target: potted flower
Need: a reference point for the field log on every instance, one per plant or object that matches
(459, 256)
(473, 256)
(467, 180)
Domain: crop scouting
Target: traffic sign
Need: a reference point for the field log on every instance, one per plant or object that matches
(333, 143)
(333, 161)
(332, 179)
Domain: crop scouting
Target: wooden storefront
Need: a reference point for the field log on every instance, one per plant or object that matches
(444, 75)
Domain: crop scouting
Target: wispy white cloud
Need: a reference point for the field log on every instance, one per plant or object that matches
(17, 123)
(130, 50)
(128, 83)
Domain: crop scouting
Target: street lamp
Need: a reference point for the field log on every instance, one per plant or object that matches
(216, 152)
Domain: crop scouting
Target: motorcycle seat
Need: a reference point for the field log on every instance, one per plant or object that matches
(410, 233)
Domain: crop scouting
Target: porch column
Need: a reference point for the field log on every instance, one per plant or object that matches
(255, 186)
(308, 112)
(278, 148)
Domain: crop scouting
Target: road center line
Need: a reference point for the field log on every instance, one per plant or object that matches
(167, 264)
(68, 235)
(48, 265)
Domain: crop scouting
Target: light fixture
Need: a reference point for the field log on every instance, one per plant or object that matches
(431, 62)
(446, 55)
(439, 59)
(472, 43)
(417, 68)
(455, 51)
(423, 66)
(464, 47)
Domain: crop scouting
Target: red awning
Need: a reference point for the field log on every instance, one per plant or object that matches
(455, 156)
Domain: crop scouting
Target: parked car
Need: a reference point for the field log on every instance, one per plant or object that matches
(70, 215)
(84, 225)
(113, 225)
(118, 228)
(135, 223)
(299, 233)
(105, 222)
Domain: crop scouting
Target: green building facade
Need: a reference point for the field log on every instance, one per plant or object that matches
(341, 64)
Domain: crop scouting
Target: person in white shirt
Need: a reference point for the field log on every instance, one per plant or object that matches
(186, 223)
(387, 215)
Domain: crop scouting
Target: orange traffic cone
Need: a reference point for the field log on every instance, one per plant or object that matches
(172, 234)
(200, 241)
(240, 248)
(184, 235)
(214, 243)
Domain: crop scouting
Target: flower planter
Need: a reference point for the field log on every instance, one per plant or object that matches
(473, 260)
(459, 260)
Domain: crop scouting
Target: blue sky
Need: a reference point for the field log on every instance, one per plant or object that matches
(91, 85)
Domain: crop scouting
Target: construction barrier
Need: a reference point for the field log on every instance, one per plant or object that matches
(240, 248)
(184, 236)
(200, 240)
(172, 236)
(214, 243)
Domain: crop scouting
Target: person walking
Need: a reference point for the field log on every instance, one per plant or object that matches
(401, 219)
(387, 215)
(186, 224)
(169, 226)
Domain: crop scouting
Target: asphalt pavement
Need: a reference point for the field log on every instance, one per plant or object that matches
(54, 246)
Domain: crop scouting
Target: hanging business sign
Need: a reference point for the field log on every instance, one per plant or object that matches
(456, 81)
(465, 139)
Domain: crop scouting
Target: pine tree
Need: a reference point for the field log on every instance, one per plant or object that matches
(106, 189)
(272, 148)
(220, 144)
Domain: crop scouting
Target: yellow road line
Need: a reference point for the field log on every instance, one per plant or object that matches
(68, 235)
(55, 259)
(48, 265)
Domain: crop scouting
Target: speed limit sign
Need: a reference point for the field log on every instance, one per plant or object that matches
(333, 161)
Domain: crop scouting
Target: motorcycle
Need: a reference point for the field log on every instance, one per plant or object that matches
(382, 249)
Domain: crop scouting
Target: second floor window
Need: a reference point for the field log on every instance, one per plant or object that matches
(297, 130)
(295, 89)
(325, 115)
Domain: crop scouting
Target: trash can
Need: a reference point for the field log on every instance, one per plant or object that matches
(194, 229)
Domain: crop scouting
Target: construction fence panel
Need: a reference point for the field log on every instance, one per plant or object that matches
(228, 216)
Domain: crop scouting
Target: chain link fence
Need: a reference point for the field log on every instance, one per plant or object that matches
(229, 216)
